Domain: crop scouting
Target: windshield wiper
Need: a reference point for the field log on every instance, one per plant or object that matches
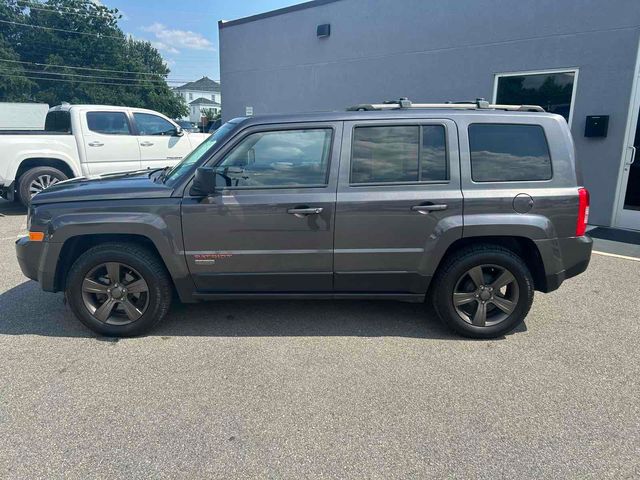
(163, 173)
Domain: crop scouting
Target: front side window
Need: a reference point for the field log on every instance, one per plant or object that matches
(108, 123)
(552, 91)
(153, 125)
(508, 153)
(405, 154)
(286, 158)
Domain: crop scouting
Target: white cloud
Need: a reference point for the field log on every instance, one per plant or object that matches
(170, 40)
(164, 47)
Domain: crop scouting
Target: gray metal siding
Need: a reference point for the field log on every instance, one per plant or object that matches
(436, 51)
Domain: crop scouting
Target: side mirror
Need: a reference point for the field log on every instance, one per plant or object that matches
(179, 131)
(204, 183)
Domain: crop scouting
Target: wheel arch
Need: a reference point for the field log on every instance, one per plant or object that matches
(33, 162)
(524, 247)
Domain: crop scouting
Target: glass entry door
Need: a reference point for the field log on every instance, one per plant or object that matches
(629, 216)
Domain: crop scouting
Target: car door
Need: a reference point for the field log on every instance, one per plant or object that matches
(270, 226)
(108, 142)
(398, 195)
(160, 144)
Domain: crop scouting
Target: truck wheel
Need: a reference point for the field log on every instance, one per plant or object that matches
(483, 291)
(119, 289)
(37, 179)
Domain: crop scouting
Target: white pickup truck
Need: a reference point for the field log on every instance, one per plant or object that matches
(88, 140)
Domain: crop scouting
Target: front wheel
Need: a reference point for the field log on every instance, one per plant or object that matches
(119, 289)
(35, 180)
(483, 291)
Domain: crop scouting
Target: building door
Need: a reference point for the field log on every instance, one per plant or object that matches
(629, 191)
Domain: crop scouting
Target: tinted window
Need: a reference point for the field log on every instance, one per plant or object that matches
(398, 154)
(503, 153)
(58, 121)
(153, 125)
(279, 159)
(433, 155)
(552, 91)
(110, 123)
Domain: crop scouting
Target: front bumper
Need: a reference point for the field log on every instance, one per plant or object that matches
(38, 261)
(564, 258)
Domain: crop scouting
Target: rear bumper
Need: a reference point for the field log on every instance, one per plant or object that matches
(564, 258)
(32, 258)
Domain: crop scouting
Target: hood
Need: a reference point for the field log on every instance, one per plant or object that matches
(112, 186)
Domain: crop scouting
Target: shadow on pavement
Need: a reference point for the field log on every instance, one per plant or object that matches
(10, 209)
(26, 310)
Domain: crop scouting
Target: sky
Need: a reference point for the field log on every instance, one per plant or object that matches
(186, 31)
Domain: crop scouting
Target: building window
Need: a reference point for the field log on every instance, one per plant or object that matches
(552, 90)
(508, 153)
(190, 96)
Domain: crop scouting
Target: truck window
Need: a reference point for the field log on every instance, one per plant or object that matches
(508, 153)
(108, 123)
(399, 154)
(153, 125)
(285, 158)
(58, 121)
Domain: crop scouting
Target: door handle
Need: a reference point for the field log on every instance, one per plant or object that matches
(301, 212)
(424, 209)
(633, 156)
(146, 144)
(96, 144)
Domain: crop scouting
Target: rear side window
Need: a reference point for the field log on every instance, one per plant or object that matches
(58, 121)
(508, 153)
(108, 123)
(399, 154)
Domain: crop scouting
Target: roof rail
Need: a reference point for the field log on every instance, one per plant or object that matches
(478, 104)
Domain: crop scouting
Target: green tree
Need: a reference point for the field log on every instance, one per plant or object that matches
(108, 67)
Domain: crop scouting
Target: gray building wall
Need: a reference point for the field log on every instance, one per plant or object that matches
(438, 50)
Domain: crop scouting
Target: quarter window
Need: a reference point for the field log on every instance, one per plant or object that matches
(508, 153)
(286, 158)
(108, 123)
(405, 154)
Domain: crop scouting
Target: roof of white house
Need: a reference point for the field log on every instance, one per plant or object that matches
(205, 84)
(204, 101)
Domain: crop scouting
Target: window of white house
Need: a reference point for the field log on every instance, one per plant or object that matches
(552, 90)
(191, 96)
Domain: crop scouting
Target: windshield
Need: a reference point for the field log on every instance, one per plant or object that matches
(198, 154)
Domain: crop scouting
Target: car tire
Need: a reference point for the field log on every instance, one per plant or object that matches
(466, 296)
(37, 178)
(123, 301)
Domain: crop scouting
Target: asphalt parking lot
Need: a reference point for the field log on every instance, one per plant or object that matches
(322, 389)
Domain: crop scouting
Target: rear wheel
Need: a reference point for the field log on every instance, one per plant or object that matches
(35, 180)
(119, 289)
(483, 291)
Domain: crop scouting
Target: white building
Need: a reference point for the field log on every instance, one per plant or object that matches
(201, 95)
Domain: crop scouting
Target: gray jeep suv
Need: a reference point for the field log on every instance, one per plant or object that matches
(472, 205)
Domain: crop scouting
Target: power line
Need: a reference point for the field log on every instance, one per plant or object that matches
(98, 77)
(62, 30)
(133, 85)
(62, 10)
(173, 80)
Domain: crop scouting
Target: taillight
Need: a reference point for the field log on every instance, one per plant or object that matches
(583, 211)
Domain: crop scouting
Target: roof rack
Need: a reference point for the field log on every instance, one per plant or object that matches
(478, 104)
